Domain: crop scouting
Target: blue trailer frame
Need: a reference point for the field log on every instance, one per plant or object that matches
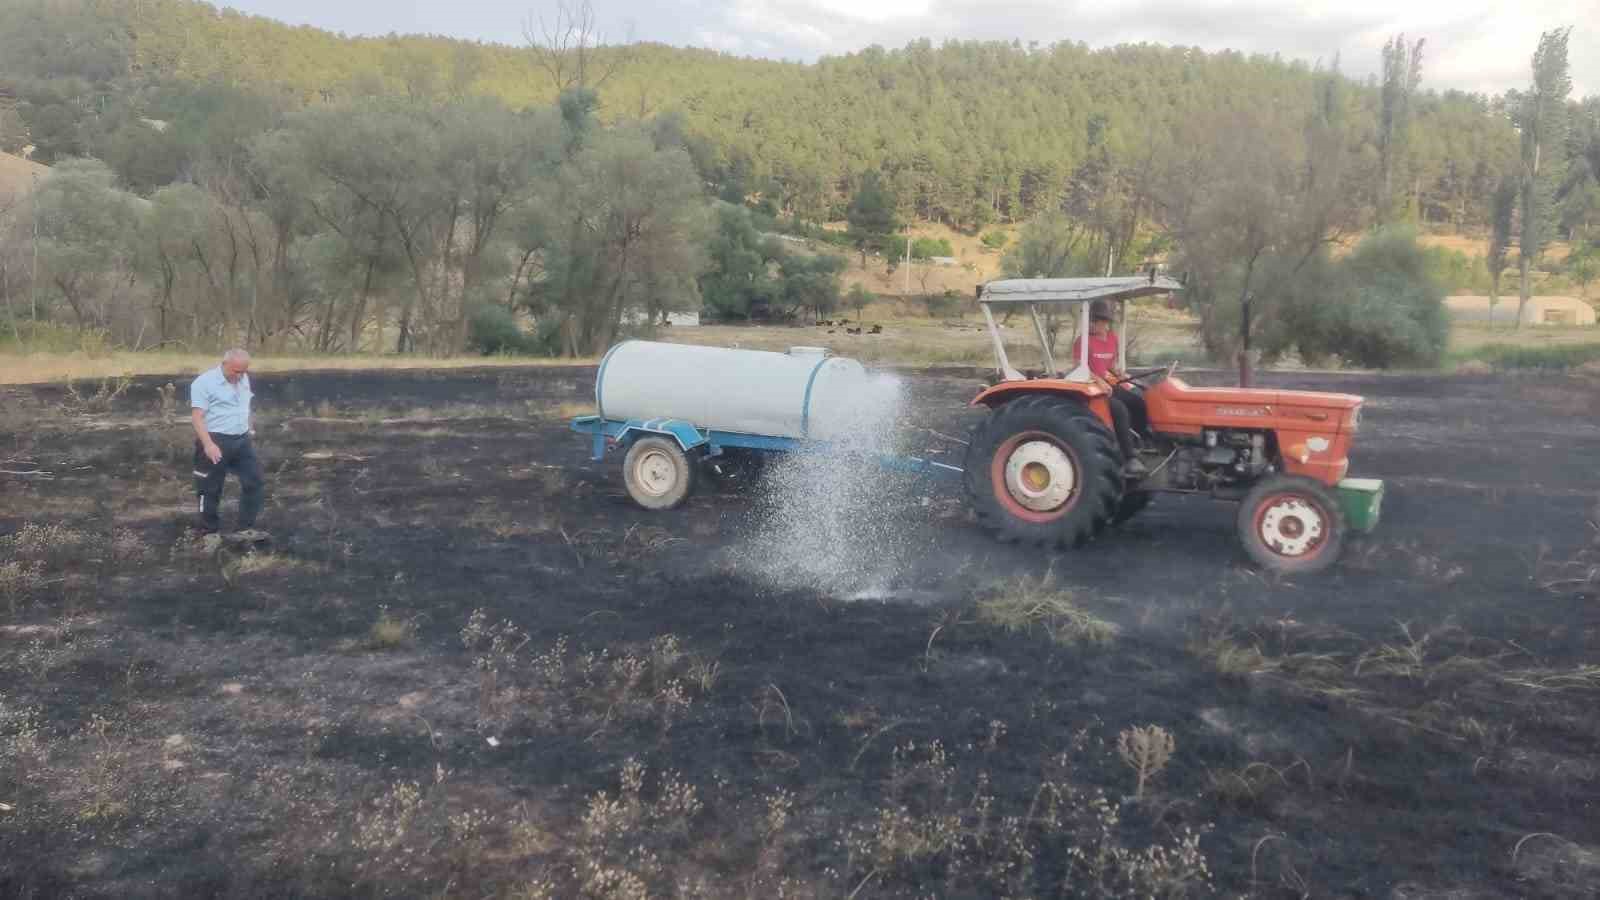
(608, 433)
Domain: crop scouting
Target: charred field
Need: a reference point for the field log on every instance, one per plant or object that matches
(467, 666)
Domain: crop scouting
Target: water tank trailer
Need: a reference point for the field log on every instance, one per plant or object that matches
(674, 409)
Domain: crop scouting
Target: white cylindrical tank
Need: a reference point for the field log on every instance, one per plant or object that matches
(803, 393)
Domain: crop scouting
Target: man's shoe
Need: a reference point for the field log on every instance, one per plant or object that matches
(1134, 468)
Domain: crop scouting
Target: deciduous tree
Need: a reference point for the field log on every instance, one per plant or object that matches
(1541, 115)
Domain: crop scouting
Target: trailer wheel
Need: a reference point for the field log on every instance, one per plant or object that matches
(1044, 470)
(659, 475)
(1291, 525)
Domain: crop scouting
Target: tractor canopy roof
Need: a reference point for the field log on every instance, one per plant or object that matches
(1075, 290)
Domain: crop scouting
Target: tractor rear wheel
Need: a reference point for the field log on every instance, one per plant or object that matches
(659, 475)
(1044, 470)
(1291, 525)
(1132, 503)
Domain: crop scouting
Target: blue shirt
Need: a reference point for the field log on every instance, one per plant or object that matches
(227, 405)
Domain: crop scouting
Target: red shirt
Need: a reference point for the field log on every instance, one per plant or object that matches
(1102, 353)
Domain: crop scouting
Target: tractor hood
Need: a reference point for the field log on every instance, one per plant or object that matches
(1177, 407)
(1269, 397)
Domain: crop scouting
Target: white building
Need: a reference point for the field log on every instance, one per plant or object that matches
(1539, 311)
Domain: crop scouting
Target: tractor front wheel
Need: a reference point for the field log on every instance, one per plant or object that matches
(1044, 470)
(659, 475)
(1291, 525)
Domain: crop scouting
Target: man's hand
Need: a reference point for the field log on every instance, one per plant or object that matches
(213, 452)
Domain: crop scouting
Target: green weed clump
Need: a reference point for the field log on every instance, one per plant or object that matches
(1549, 358)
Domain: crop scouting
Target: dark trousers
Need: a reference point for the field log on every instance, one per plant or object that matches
(1128, 411)
(238, 457)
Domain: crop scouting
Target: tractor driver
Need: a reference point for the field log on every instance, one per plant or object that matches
(1125, 403)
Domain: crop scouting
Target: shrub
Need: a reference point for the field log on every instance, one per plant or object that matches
(994, 240)
(1379, 307)
(924, 248)
(1395, 313)
(493, 330)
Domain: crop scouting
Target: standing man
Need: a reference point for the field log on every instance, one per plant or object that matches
(220, 399)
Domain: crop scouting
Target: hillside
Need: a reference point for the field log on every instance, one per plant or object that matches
(966, 133)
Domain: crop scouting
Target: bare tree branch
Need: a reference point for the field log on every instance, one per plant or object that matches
(567, 47)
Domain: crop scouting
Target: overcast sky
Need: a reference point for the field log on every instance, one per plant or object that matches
(1477, 45)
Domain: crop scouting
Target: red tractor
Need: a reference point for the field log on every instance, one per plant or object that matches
(1046, 464)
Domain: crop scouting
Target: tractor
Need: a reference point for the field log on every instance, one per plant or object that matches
(1044, 465)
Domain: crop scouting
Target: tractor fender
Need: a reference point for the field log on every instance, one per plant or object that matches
(1090, 394)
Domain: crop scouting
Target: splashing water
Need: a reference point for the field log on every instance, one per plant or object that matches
(828, 518)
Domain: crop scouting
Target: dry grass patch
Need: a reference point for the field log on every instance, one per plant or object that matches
(37, 368)
(1226, 656)
(52, 544)
(570, 410)
(1251, 787)
(1403, 556)
(19, 581)
(1581, 678)
(507, 525)
(390, 631)
(651, 686)
(1442, 653)
(942, 819)
(97, 397)
(256, 564)
(1025, 603)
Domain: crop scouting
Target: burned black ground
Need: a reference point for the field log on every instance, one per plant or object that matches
(636, 709)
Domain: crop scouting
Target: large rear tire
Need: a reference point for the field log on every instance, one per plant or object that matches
(659, 475)
(1291, 525)
(1043, 470)
(1132, 503)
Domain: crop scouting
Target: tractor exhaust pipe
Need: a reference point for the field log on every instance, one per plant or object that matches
(1245, 375)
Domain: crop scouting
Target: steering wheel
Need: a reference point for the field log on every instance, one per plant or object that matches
(1164, 371)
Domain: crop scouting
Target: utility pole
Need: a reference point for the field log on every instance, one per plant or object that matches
(33, 276)
(907, 291)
